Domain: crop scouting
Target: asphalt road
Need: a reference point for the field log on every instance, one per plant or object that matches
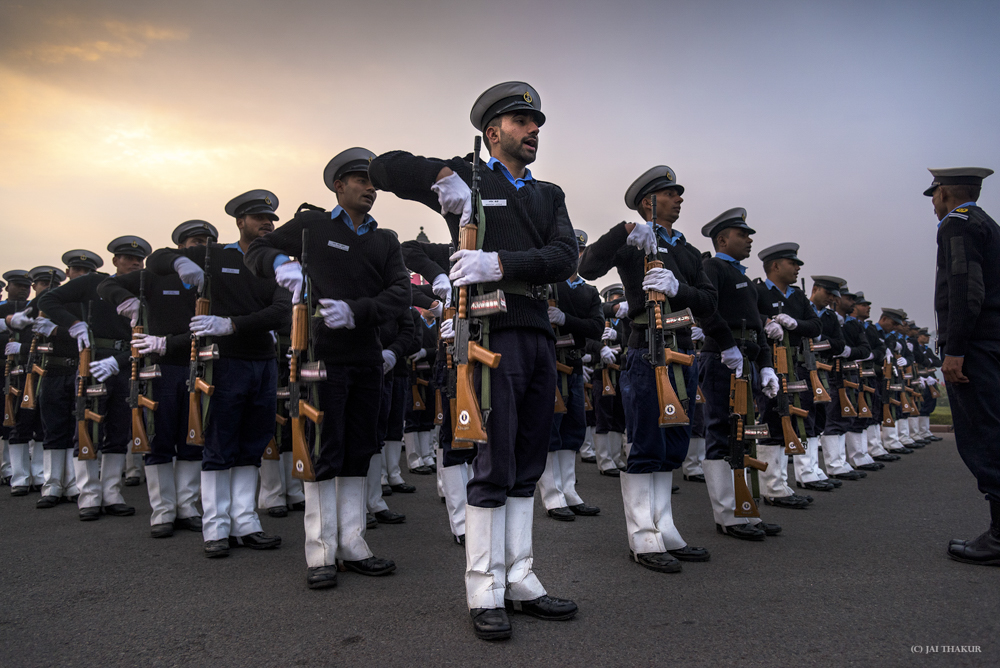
(859, 578)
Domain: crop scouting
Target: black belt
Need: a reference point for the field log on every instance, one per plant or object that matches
(522, 288)
(111, 344)
(61, 362)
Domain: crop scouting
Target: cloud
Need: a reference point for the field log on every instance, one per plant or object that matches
(110, 39)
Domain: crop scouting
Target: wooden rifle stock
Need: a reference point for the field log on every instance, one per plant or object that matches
(863, 410)
(30, 372)
(271, 451)
(608, 389)
(469, 428)
(587, 389)
(140, 439)
(793, 446)
(438, 408)
(824, 367)
(846, 408)
(87, 451)
(196, 435)
(820, 395)
(671, 410)
(887, 420)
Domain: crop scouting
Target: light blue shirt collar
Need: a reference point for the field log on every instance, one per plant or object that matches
(818, 312)
(517, 183)
(575, 284)
(368, 225)
(675, 235)
(787, 293)
(960, 206)
(723, 256)
(236, 245)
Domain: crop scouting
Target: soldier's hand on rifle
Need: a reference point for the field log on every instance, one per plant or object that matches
(454, 196)
(336, 314)
(899, 347)
(145, 344)
(909, 345)
(419, 355)
(388, 361)
(610, 334)
(556, 317)
(642, 237)
(733, 358)
(81, 333)
(901, 362)
(447, 330)
(20, 320)
(475, 267)
(587, 359)
(44, 326)
(622, 309)
(932, 381)
(130, 309)
(189, 272)
(289, 276)
(774, 330)
(786, 321)
(104, 369)
(845, 353)
(437, 309)
(697, 333)
(661, 280)
(441, 287)
(12, 348)
(769, 382)
(211, 325)
(870, 357)
(587, 373)
(607, 355)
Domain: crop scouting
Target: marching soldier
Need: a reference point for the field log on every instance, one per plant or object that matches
(967, 301)
(108, 334)
(356, 272)
(241, 413)
(18, 290)
(527, 244)
(647, 483)
(173, 467)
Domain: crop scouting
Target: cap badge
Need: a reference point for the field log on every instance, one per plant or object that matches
(744, 216)
(83, 257)
(670, 175)
(135, 244)
(527, 97)
(267, 201)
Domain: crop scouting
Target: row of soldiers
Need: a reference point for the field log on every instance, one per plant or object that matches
(286, 369)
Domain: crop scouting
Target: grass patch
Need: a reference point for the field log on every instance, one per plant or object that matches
(941, 415)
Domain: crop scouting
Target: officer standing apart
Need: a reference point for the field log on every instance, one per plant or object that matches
(528, 244)
(967, 301)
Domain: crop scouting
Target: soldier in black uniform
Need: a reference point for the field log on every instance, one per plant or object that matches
(788, 310)
(734, 336)
(609, 431)
(241, 412)
(967, 301)
(929, 403)
(656, 451)
(18, 290)
(885, 328)
(528, 243)
(173, 468)
(108, 333)
(873, 432)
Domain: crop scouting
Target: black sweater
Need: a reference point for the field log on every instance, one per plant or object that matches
(737, 304)
(257, 306)
(365, 271)
(169, 309)
(854, 336)
(531, 231)
(770, 302)
(582, 307)
(65, 304)
(397, 335)
(696, 292)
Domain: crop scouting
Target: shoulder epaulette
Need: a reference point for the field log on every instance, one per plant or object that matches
(957, 213)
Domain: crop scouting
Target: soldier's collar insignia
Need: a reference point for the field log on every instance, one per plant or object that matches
(962, 210)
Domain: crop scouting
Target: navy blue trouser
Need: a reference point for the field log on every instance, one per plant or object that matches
(115, 431)
(350, 399)
(391, 410)
(714, 377)
(654, 448)
(928, 404)
(241, 413)
(169, 437)
(56, 406)
(570, 428)
(523, 398)
(610, 410)
(450, 457)
(975, 412)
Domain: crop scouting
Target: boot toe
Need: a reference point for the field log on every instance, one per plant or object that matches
(371, 566)
(389, 517)
(661, 562)
(490, 623)
(321, 577)
(585, 510)
(545, 607)
(690, 553)
(162, 530)
(562, 514)
(119, 510)
(742, 531)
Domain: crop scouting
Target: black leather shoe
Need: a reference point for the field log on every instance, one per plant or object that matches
(957, 541)
(900, 451)
(386, 490)
(216, 548)
(585, 510)
(817, 485)
(47, 502)
(389, 517)
(321, 577)
(459, 540)
(132, 482)
(588, 460)
(298, 506)
(545, 607)
(490, 623)
(769, 529)
(255, 541)
(936, 438)
(916, 445)
(794, 501)
(984, 550)
(162, 530)
(371, 566)
(851, 475)
(742, 531)
(836, 483)
(690, 553)
(370, 522)
(433, 468)
(119, 510)
(661, 562)
(90, 514)
(808, 498)
(422, 470)
(278, 511)
(612, 473)
(189, 523)
(20, 490)
(697, 477)
(403, 488)
(887, 458)
(562, 514)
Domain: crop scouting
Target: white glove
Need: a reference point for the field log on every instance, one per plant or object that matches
(289, 276)
(733, 358)
(769, 382)
(661, 280)
(211, 325)
(888, 354)
(622, 310)
(587, 359)
(901, 362)
(419, 355)
(607, 355)
(475, 267)
(774, 330)
(441, 287)
(20, 320)
(81, 333)
(556, 317)
(455, 197)
(642, 237)
(845, 353)
(447, 330)
(3, 325)
(388, 361)
(697, 333)
(922, 382)
(587, 373)
(437, 309)
(145, 344)
(899, 347)
(870, 357)
(189, 272)
(610, 334)
(104, 369)
(44, 326)
(786, 321)
(932, 381)
(130, 309)
(336, 314)
(12, 348)
(909, 345)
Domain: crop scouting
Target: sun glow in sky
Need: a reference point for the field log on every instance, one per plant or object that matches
(129, 117)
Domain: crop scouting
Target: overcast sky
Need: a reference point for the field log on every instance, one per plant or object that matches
(820, 119)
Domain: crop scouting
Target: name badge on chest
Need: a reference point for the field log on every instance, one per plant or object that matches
(741, 285)
(494, 202)
(662, 249)
(230, 270)
(334, 244)
(171, 292)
